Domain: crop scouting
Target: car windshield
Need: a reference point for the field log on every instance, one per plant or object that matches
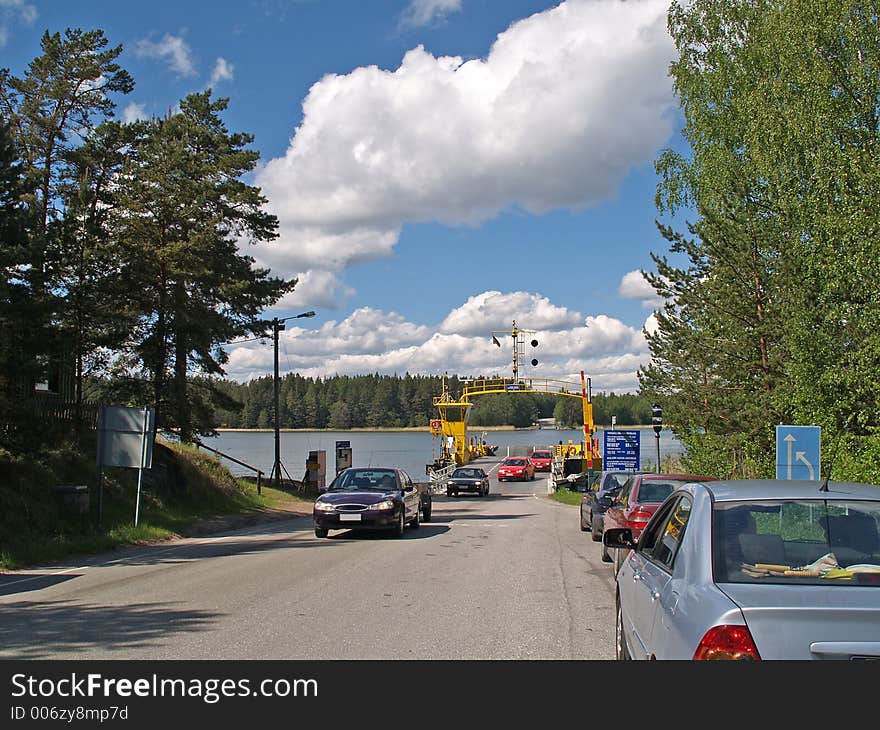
(466, 474)
(829, 542)
(654, 492)
(353, 480)
(541, 455)
(515, 462)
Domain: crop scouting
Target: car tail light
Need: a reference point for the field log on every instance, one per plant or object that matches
(640, 515)
(727, 642)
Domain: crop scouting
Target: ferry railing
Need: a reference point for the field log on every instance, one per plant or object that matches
(437, 476)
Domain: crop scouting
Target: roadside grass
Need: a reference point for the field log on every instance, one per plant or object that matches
(567, 496)
(187, 486)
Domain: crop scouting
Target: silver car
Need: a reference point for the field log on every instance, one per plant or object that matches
(753, 569)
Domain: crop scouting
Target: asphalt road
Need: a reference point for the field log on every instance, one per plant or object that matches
(510, 576)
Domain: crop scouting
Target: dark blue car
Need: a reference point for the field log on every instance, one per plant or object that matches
(598, 498)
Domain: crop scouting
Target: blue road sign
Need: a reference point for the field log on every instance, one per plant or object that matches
(621, 450)
(798, 454)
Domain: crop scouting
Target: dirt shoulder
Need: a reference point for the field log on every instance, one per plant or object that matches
(224, 523)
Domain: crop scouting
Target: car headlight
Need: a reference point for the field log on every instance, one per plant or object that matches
(324, 507)
(384, 504)
(450, 484)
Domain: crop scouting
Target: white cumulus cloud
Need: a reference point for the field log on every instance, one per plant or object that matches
(172, 49)
(634, 286)
(565, 103)
(223, 71)
(133, 112)
(493, 310)
(370, 340)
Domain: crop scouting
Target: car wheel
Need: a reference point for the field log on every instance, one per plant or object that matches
(583, 526)
(597, 536)
(321, 532)
(397, 530)
(619, 639)
(448, 492)
(455, 493)
(426, 512)
(416, 520)
(606, 558)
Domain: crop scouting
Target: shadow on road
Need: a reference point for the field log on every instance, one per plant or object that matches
(213, 549)
(24, 582)
(454, 516)
(427, 529)
(32, 630)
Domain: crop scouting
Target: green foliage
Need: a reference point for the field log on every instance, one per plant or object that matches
(772, 317)
(566, 496)
(34, 528)
(120, 242)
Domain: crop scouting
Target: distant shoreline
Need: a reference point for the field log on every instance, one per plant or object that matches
(402, 429)
(366, 430)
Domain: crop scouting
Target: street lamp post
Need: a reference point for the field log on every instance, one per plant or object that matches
(277, 326)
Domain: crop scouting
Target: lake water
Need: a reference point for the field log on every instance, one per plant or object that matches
(410, 450)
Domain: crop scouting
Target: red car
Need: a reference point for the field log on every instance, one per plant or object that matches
(638, 500)
(542, 459)
(516, 467)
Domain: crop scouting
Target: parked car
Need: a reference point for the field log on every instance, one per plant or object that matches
(542, 459)
(468, 479)
(638, 499)
(753, 569)
(598, 498)
(371, 498)
(516, 467)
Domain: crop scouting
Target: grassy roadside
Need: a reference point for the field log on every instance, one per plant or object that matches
(185, 487)
(566, 496)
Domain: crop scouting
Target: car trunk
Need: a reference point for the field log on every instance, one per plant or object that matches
(810, 622)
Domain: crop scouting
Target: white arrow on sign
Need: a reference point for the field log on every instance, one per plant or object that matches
(802, 458)
(790, 440)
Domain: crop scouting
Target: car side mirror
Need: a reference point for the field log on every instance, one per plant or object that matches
(408, 488)
(619, 537)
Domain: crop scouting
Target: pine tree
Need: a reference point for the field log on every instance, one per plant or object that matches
(185, 210)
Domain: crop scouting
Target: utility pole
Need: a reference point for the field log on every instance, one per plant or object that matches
(277, 326)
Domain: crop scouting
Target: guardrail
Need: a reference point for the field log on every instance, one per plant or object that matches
(259, 472)
(437, 476)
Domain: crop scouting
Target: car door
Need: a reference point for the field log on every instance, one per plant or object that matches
(658, 551)
(636, 597)
(410, 494)
(614, 514)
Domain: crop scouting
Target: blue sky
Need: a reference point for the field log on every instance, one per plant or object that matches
(438, 167)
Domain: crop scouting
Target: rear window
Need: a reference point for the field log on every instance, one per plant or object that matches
(654, 492)
(828, 542)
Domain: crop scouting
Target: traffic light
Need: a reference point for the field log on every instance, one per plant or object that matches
(656, 417)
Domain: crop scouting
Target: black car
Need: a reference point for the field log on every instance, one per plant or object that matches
(468, 479)
(371, 498)
(598, 498)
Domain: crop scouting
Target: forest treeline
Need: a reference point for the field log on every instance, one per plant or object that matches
(392, 401)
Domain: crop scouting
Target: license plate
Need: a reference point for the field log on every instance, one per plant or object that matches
(349, 518)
